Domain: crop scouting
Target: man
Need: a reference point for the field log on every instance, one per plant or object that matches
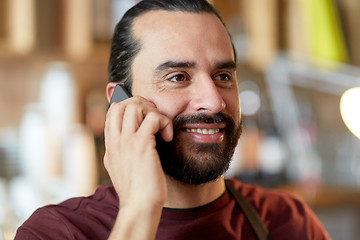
(169, 145)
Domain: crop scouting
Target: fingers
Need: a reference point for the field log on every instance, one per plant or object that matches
(137, 115)
(131, 157)
(156, 122)
(116, 112)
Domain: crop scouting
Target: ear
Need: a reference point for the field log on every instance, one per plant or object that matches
(110, 89)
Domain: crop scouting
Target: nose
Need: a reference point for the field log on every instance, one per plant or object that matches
(206, 96)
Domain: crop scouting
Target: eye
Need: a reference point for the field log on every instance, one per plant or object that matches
(178, 78)
(223, 77)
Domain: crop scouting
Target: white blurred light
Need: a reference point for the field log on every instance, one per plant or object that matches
(350, 110)
(250, 102)
(57, 96)
(32, 148)
(272, 155)
(249, 98)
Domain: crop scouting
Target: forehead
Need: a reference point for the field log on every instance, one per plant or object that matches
(177, 34)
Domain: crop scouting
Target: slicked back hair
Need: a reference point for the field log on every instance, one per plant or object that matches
(124, 46)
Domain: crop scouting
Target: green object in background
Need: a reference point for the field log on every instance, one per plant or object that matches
(326, 39)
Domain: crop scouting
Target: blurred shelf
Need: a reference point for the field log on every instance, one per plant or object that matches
(322, 197)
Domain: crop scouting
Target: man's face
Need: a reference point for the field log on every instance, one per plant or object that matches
(186, 67)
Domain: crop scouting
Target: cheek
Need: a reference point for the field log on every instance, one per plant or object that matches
(233, 106)
(171, 105)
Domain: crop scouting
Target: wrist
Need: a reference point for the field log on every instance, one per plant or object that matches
(136, 222)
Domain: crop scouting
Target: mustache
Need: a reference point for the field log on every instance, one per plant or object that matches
(202, 118)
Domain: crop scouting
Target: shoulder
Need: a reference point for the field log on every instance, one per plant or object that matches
(283, 213)
(267, 199)
(104, 196)
(76, 216)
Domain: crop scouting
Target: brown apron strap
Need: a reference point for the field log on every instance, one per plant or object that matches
(253, 217)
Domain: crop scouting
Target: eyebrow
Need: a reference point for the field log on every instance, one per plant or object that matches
(226, 65)
(185, 64)
(174, 64)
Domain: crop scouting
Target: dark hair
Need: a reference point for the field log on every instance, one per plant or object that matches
(124, 47)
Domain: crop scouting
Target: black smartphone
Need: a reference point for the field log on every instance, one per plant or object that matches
(119, 94)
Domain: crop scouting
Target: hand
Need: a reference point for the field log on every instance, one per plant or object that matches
(131, 158)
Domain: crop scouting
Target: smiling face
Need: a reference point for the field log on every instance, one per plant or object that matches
(186, 67)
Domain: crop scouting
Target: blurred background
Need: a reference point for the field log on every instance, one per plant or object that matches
(299, 81)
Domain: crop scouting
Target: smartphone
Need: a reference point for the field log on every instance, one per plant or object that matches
(119, 94)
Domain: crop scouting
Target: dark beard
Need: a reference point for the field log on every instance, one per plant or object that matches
(199, 162)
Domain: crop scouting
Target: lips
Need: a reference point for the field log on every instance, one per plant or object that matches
(204, 133)
(203, 130)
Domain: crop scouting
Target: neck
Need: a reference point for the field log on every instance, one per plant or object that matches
(183, 195)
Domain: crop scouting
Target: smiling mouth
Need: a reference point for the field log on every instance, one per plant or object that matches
(203, 130)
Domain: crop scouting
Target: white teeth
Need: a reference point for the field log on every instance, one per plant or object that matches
(203, 130)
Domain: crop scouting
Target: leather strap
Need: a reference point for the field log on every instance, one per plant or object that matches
(252, 216)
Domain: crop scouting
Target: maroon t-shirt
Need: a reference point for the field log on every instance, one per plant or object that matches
(93, 217)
